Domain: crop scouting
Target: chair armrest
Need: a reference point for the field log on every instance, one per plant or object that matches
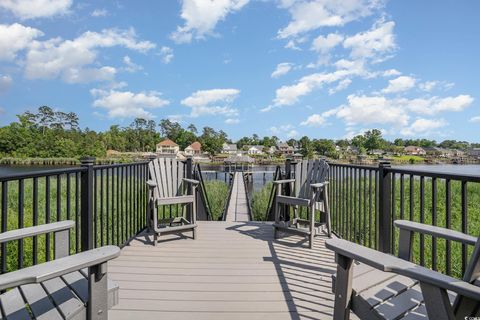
(389, 263)
(191, 181)
(283, 181)
(36, 230)
(436, 231)
(151, 184)
(319, 185)
(52, 269)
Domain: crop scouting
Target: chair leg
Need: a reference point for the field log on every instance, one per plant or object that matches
(326, 207)
(277, 219)
(194, 233)
(311, 210)
(155, 239)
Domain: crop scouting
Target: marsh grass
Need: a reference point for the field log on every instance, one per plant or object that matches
(217, 193)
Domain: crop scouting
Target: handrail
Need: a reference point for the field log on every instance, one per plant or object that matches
(433, 174)
(230, 189)
(41, 173)
(277, 176)
(203, 192)
(249, 204)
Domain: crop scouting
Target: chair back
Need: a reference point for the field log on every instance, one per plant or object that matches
(464, 307)
(167, 173)
(308, 172)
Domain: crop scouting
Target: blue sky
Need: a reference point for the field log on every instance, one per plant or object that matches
(322, 68)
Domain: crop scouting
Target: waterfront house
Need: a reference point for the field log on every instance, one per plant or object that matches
(474, 153)
(415, 151)
(285, 149)
(376, 152)
(229, 148)
(255, 150)
(195, 149)
(167, 148)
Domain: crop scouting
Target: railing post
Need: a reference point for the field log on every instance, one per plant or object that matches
(384, 207)
(288, 190)
(189, 168)
(86, 222)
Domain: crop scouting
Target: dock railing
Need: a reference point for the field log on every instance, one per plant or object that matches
(365, 201)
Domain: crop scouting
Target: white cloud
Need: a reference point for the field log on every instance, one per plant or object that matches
(286, 130)
(313, 14)
(99, 13)
(434, 105)
(30, 9)
(475, 119)
(5, 83)
(289, 95)
(324, 44)
(282, 69)
(73, 60)
(126, 104)
(202, 16)
(374, 43)
(292, 134)
(423, 126)
(391, 72)
(342, 85)
(372, 110)
(315, 120)
(130, 66)
(402, 83)
(232, 121)
(166, 54)
(428, 85)
(14, 38)
(212, 102)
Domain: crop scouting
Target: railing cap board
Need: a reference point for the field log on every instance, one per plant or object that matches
(36, 230)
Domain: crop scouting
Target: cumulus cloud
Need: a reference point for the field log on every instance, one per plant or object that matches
(402, 83)
(14, 38)
(166, 54)
(434, 105)
(315, 120)
(72, 60)
(286, 130)
(391, 72)
(126, 104)
(324, 44)
(310, 15)
(201, 17)
(374, 43)
(212, 102)
(475, 119)
(130, 66)
(30, 9)
(423, 126)
(99, 13)
(282, 69)
(5, 83)
(232, 121)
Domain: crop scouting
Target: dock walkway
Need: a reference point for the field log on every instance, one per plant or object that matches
(234, 270)
(237, 209)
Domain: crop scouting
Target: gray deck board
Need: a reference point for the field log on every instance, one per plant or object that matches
(234, 270)
(237, 209)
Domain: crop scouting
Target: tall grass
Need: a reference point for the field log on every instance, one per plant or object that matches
(260, 202)
(217, 193)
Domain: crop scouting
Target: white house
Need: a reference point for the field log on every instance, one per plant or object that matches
(255, 150)
(229, 148)
(195, 149)
(167, 148)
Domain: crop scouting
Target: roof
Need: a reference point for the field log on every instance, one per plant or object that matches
(258, 147)
(167, 143)
(231, 146)
(195, 146)
(413, 148)
(239, 159)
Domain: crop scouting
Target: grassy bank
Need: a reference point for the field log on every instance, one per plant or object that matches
(260, 202)
(217, 193)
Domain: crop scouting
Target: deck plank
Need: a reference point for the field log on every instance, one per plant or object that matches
(234, 270)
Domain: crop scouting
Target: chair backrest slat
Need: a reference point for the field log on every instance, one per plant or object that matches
(308, 172)
(167, 174)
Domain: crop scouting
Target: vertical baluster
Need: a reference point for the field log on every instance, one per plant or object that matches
(411, 197)
(370, 213)
(448, 225)
(376, 208)
(464, 224)
(402, 196)
(354, 211)
(107, 207)
(365, 236)
(102, 228)
(47, 216)
(35, 220)
(58, 205)
(422, 219)
(4, 223)
(77, 210)
(21, 211)
(394, 212)
(95, 208)
(434, 222)
(117, 213)
(122, 206)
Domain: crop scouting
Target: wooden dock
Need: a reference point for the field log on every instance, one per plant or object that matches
(237, 209)
(234, 270)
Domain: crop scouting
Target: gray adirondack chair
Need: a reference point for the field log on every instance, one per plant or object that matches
(169, 186)
(69, 287)
(310, 189)
(375, 285)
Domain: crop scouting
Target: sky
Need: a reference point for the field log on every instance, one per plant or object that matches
(321, 68)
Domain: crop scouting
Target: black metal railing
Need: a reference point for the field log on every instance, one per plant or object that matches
(107, 202)
(366, 200)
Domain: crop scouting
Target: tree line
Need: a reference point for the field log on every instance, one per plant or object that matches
(54, 134)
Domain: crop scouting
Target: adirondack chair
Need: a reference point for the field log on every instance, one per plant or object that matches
(69, 287)
(310, 189)
(169, 185)
(375, 285)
